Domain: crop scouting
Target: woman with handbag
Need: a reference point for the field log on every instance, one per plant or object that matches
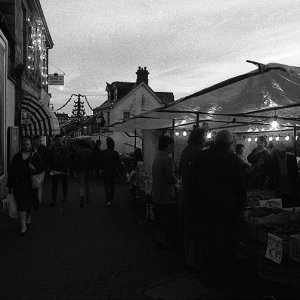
(24, 164)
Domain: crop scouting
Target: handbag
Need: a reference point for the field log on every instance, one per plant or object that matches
(12, 206)
(37, 180)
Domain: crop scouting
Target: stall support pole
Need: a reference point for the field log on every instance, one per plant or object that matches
(134, 139)
(295, 141)
(197, 121)
(173, 136)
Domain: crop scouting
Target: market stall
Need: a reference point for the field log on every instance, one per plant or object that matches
(264, 102)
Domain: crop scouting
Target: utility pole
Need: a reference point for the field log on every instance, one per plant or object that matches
(78, 111)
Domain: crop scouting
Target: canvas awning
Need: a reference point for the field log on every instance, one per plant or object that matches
(249, 101)
(37, 118)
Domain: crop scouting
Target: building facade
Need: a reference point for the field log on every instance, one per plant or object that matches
(126, 100)
(24, 101)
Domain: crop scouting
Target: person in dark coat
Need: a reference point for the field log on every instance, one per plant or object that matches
(59, 163)
(43, 152)
(285, 175)
(164, 194)
(110, 165)
(23, 165)
(260, 163)
(83, 162)
(195, 144)
(97, 157)
(218, 196)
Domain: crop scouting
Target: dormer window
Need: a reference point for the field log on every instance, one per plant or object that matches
(126, 115)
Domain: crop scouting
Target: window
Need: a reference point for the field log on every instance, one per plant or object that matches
(126, 115)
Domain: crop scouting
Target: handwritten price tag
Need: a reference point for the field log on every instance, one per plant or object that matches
(274, 248)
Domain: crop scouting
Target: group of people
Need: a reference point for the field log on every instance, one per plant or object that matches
(215, 179)
(35, 158)
(271, 167)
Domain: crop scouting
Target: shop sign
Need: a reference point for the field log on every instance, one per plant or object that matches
(55, 79)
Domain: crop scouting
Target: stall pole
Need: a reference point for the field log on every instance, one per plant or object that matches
(134, 139)
(198, 119)
(173, 136)
(295, 141)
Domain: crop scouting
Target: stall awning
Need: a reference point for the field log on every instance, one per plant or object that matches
(37, 118)
(247, 102)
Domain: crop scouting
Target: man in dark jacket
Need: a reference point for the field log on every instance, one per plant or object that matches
(195, 144)
(59, 163)
(83, 161)
(218, 196)
(285, 175)
(110, 163)
(43, 152)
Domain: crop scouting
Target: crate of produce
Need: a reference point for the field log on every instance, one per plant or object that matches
(294, 250)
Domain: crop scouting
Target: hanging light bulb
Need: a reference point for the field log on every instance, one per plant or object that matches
(177, 133)
(256, 139)
(184, 133)
(297, 137)
(249, 139)
(209, 135)
(287, 138)
(277, 138)
(274, 123)
(270, 138)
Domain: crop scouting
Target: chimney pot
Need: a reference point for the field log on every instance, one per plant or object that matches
(142, 75)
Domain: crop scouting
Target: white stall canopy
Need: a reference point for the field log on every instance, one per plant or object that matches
(249, 102)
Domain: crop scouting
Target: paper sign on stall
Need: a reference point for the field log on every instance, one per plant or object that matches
(274, 248)
(271, 203)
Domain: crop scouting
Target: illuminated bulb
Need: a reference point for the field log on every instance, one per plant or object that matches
(208, 135)
(256, 129)
(177, 133)
(277, 138)
(249, 140)
(274, 124)
(287, 138)
(255, 139)
(184, 133)
(270, 139)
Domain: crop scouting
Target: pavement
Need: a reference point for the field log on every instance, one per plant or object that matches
(99, 252)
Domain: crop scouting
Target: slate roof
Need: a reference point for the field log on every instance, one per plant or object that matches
(165, 97)
(125, 87)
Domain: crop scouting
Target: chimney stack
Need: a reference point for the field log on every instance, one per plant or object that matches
(142, 75)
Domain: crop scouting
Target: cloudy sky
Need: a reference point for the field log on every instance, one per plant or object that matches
(186, 45)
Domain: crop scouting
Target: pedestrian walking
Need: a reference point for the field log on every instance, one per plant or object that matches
(164, 195)
(24, 164)
(83, 162)
(97, 158)
(59, 163)
(110, 165)
(43, 152)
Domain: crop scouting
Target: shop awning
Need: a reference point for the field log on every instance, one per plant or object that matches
(248, 101)
(37, 118)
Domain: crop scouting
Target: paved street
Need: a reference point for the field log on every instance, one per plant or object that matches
(97, 252)
(82, 253)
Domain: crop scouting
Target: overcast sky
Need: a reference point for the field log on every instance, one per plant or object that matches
(186, 45)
